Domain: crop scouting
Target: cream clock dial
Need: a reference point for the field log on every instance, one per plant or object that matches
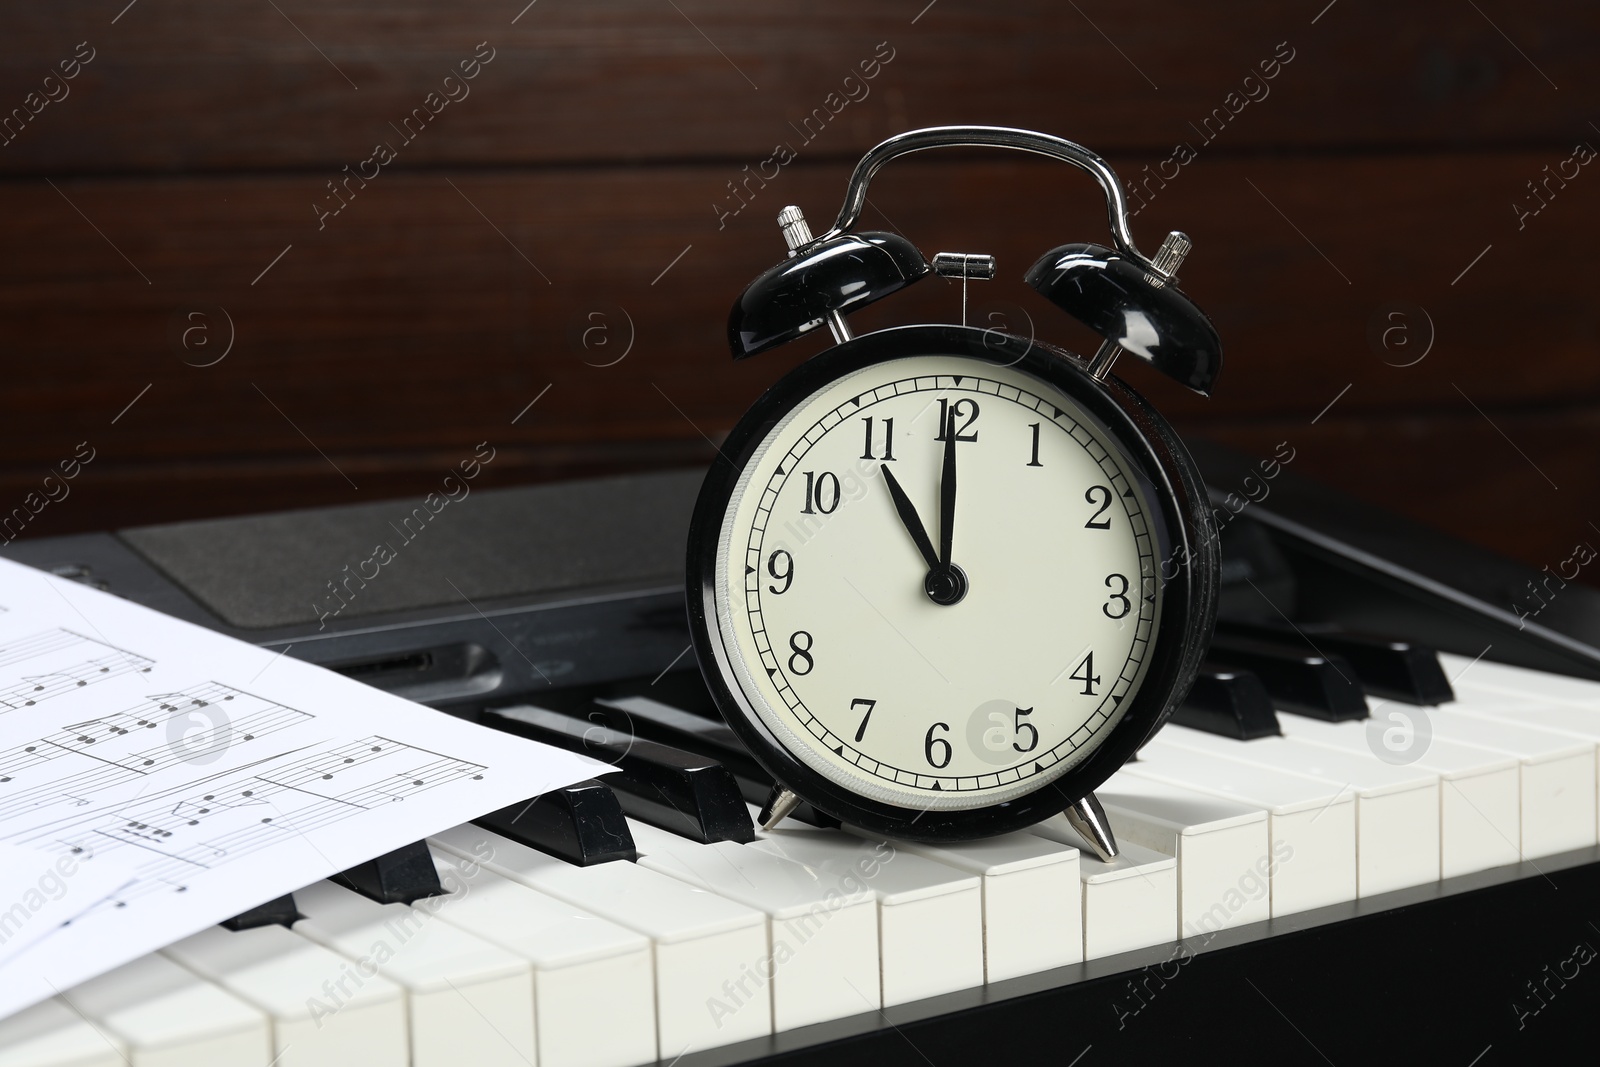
(851, 649)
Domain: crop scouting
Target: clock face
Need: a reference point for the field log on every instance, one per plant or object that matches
(932, 665)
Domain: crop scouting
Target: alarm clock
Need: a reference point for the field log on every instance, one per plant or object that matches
(943, 581)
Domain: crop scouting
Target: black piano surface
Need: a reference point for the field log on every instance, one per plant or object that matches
(557, 592)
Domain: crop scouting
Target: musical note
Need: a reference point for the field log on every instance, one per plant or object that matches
(54, 666)
(195, 726)
(212, 774)
(201, 827)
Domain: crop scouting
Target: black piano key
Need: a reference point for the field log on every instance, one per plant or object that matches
(685, 793)
(1231, 703)
(1322, 686)
(1388, 668)
(671, 724)
(397, 877)
(582, 824)
(279, 912)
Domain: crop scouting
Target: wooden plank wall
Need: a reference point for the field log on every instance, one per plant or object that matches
(605, 183)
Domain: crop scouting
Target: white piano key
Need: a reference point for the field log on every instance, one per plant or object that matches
(1312, 827)
(1130, 902)
(1558, 777)
(50, 1034)
(708, 951)
(1397, 808)
(1223, 848)
(167, 1016)
(1480, 790)
(1521, 681)
(324, 1013)
(930, 917)
(1557, 717)
(469, 1001)
(823, 937)
(1032, 912)
(593, 983)
(1570, 720)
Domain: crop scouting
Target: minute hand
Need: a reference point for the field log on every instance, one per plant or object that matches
(947, 496)
(909, 519)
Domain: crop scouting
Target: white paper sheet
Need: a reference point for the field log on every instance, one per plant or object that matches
(52, 891)
(195, 776)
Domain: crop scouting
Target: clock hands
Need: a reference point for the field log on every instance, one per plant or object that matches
(947, 494)
(908, 517)
(945, 582)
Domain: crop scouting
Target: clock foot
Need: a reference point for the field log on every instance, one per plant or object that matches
(777, 807)
(1089, 819)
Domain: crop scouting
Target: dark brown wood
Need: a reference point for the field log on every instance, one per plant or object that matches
(585, 193)
(413, 320)
(184, 85)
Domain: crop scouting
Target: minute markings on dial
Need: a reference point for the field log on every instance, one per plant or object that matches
(841, 746)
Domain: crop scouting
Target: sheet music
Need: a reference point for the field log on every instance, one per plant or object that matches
(157, 777)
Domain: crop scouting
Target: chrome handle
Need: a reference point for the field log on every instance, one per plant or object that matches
(1043, 144)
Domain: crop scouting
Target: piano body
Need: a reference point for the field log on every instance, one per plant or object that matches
(1346, 848)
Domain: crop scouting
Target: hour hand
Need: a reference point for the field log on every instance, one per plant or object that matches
(908, 518)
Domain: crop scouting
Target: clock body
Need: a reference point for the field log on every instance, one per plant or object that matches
(1083, 539)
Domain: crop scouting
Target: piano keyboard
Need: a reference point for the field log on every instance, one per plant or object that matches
(715, 937)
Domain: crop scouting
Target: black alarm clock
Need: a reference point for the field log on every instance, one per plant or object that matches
(943, 581)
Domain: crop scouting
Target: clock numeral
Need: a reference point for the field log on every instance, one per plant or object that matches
(1001, 733)
(1085, 674)
(1104, 494)
(949, 412)
(930, 741)
(862, 702)
(888, 440)
(817, 493)
(1034, 462)
(800, 654)
(1018, 726)
(1120, 594)
(786, 576)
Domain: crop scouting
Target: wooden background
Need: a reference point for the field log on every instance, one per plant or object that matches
(577, 189)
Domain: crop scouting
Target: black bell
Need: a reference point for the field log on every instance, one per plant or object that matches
(840, 275)
(1146, 316)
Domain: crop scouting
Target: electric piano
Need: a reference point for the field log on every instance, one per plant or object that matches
(1370, 834)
